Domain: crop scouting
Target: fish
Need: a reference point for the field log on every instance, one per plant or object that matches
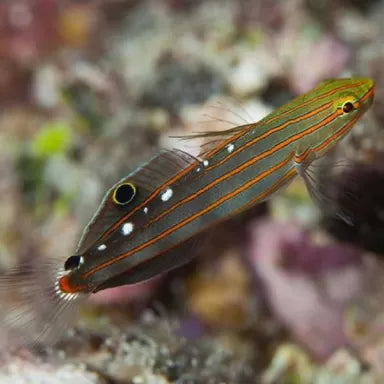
(148, 221)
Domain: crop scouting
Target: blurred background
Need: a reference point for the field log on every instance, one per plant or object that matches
(281, 294)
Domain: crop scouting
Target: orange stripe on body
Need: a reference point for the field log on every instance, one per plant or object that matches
(264, 154)
(270, 132)
(191, 218)
(317, 97)
(273, 188)
(302, 157)
(309, 101)
(344, 129)
(190, 167)
(149, 198)
(221, 146)
(244, 166)
(338, 133)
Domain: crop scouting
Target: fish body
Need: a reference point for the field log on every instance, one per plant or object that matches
(147, 222)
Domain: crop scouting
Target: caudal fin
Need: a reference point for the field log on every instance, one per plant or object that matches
(32, 309)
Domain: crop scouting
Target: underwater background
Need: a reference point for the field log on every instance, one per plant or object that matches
(283, 293)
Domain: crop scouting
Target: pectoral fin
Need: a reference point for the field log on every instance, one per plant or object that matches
(314, 171)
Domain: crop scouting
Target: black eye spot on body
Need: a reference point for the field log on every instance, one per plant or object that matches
(73, 262)
(348, 107)
(124, 193)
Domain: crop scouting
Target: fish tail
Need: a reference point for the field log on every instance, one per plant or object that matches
(34, 311)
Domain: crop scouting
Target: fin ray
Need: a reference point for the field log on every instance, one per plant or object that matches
(33, 310)
(216, 137)
(312, 174)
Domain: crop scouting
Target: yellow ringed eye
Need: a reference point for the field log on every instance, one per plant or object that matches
(348, 107)
(124, 193)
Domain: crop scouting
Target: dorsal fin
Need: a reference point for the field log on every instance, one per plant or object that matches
(215, 138)
(147, 179)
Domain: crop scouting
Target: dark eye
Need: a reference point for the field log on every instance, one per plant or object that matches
(348, 107)
(124, 193)
(73, 262)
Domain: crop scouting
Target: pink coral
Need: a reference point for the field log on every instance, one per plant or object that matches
(308, 286)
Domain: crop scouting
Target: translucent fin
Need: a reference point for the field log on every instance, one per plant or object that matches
(223, 107)
(221, 113)
(222, 133)
(318, 178)
(146, 179)
(218, 137)
(33, 309)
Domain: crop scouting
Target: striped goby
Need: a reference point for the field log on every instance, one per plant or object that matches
(146, 222)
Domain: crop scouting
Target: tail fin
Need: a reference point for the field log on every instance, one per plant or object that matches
(32, 309)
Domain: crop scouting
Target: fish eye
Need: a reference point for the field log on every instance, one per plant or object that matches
(124, 193)
(348, 107)
(73, 262)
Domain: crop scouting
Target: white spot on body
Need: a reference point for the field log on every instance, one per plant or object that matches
(230, 148)
(198, 169)
(167, 194)
(145, 210)
(205, 163)
(101, 247)
(127, 229)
